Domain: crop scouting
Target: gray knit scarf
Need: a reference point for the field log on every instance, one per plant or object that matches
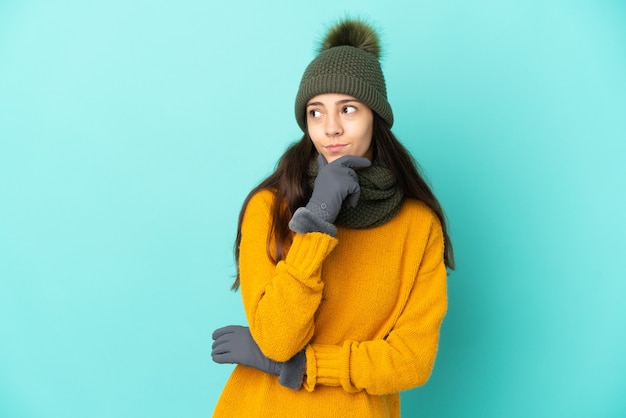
(380, 198)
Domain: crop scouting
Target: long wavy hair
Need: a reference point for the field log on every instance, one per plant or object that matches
(289, 183)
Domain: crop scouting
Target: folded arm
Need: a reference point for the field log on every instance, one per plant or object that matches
(405, 357)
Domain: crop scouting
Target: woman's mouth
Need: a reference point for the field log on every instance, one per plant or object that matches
(333, 149)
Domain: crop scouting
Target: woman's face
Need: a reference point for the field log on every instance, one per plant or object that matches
(340, 125)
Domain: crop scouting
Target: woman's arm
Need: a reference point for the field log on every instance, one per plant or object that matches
(280, 300)
(405, 358)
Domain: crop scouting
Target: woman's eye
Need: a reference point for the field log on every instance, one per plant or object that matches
(349, 109)
(315, 113)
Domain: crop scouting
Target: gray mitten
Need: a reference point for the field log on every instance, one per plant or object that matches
(234, 344)
(335, 182)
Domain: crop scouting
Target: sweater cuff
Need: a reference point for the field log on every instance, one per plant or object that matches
(306, 255)
(328, 365)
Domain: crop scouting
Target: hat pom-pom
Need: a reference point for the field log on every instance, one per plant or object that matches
(354, 33)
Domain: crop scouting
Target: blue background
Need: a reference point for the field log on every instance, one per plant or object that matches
(130, 132)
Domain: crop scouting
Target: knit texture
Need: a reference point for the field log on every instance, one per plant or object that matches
(380, 198)
(345, 69)
(367, 306)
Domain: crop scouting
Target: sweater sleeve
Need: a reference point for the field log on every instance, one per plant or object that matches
(405, 358)
(280, 300)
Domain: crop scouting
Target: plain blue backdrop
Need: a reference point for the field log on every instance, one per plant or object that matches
(131, 131)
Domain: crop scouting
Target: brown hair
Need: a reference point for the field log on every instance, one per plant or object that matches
(289, 184)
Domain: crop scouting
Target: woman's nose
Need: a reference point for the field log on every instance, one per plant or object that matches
(333, 126)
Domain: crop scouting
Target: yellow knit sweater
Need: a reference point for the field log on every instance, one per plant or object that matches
(367, 305)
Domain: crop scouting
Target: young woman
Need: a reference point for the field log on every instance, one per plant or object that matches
(341, 255)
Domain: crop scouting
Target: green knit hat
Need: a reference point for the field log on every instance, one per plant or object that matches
(346, 64)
